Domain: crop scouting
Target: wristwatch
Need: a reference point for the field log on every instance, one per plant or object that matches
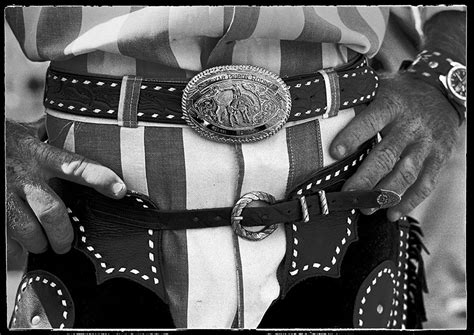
(441, 71)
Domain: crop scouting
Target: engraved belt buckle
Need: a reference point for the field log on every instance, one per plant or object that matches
(236, 103)
(237, 211)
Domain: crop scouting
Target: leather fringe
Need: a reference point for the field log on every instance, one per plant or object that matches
(417, 284)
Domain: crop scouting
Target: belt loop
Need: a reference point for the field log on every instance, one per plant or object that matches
(128, 103)
(333, 95)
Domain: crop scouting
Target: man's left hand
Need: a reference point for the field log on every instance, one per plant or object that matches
(419, 129)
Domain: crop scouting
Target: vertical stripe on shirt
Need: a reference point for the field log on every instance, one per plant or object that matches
(259, 52)
(99, 142)
(188, 50)
(378, 23)
(343, 52)
(58, 130)
(165, 169)
(304, 151)
(69, 141)
(30, 18)
(330, 127)
(355, 40)
(14, 17)
(317, 29)
(242, 24)
(99, 29)
(266, 169)
(76, 64)
(57, 21)
(174, 253)
(310, 54)
(280, 23)
(211, 177)
(132, 149)
(148, 69)
(351, 17)
(331, 55)
(210, 19)
(152, 25)
(112, 64)
(166, 183)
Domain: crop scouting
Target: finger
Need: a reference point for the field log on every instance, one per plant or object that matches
(363, 127)
(52, 215)
(14, 249)
(23, 226)
(378, 163)
(419, 191)
(405, 172)
(80, 170)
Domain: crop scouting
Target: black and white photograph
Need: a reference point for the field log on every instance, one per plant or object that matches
(265, 167)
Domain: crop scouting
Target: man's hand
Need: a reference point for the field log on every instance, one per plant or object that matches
(35, 213)
(419, 130)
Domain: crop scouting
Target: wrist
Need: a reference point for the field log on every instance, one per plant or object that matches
(441, 71)
(36, 129)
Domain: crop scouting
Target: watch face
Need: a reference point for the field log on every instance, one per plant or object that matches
(457, 81)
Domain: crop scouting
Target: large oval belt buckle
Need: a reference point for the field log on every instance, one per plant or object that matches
(236, 103)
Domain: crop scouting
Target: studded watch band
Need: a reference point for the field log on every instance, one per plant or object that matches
(432, 67)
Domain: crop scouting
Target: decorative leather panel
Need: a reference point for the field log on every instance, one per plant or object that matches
(374, 304)
(42, 301)
(317, 247)
(118, 250)
(382, 298)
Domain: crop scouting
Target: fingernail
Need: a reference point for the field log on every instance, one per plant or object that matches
(117, 188)
(341, 150)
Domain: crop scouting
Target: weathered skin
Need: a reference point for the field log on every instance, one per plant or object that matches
(35, 214)
(419, 129)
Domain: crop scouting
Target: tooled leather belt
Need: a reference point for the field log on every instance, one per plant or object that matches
(235, 103)
(122, 237)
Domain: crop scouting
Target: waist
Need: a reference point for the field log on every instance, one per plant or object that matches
(317, 195)
(172, 164)
(313, 95)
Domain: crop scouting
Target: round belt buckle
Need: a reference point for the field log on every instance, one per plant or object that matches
(237, 211)
(236, 103)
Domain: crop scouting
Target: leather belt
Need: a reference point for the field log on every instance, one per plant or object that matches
(161, 101)
(140, 211)
(137, 210)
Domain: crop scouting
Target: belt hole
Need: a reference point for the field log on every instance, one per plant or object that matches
(265, 217)
(195, 219)
(217, 218)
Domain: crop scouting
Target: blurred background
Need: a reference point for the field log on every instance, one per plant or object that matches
(442, 215)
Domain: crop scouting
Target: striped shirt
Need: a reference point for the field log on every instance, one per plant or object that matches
(173, 43)
(179, 169)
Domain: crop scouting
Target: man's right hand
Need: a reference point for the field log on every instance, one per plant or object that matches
(35, 213)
